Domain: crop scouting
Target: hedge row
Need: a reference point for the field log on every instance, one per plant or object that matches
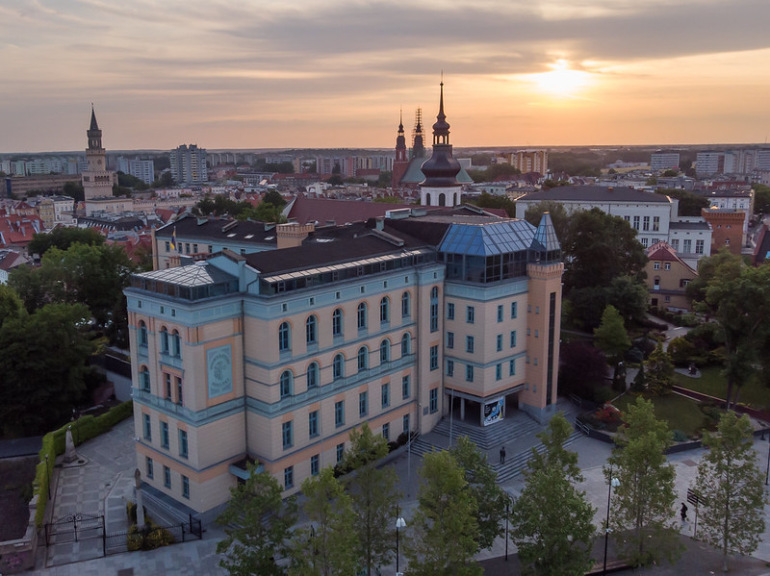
(84, 428)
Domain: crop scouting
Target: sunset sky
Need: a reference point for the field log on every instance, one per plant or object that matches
(334, 73)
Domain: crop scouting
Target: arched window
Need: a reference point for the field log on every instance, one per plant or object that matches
(361, 315)
(286, 382)
(384, 351)
(337, 322)
(176, 345)
(434, 309)
(311, 332)
(338, 367)
(284, 337)
(163, 340)
(312, 375)
(363, 358)
(406, 305)
(142, 334)
(406, 345)
(385, 310)
(144, 378)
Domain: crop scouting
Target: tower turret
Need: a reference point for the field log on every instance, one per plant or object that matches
(440, 187)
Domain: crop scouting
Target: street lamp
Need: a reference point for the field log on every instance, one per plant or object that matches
(614, 483)
(400, 523)
(767, 472)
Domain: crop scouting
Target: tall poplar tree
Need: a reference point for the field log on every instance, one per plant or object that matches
(642, 507)
(730, 483)
(257, 523)
(552, 520)
(444, 529)
(327, 546)
(373, 496)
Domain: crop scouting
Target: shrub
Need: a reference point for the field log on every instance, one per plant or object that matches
(681, 351)
(680, 436)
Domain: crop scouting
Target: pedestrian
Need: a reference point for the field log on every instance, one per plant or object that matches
(502, 455)
(683, 512)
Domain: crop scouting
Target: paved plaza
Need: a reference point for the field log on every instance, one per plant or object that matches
(104, 481)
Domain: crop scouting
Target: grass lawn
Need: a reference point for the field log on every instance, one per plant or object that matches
(711, 382)
(681, 413)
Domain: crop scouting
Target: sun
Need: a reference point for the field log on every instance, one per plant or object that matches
(561, 81)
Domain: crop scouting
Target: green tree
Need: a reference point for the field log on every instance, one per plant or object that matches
(328, 546)
(600, 247)
(640, 380)
(49, 349)
(482, 483)
(730, 483)
(737, 297)
(660, 370)
(274, 197)
(335, 180)
(761, 199)
(629, 295)
(385, 179)
(501, 202)
(689, 204)
(63, 238)
(374, 497)
(11, 306)
(389, 199)
(444, 529)
(74, 190)
(558, 214)
(552, 520)
(94, 275)
(643, 504)
(257, 524)
(612, 339)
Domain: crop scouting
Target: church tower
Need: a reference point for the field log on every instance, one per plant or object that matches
(401, 162)
(97, 180)
(440, 187)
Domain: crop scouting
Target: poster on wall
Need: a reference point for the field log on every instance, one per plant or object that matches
(493, 411)
(219, 364)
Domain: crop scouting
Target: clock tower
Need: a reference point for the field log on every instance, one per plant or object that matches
(97, 180)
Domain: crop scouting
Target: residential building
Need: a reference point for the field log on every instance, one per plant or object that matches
(530, 161)
(735, 199)
(661, 161)
(197, 238)
(188, 165)
(709, 163)
(667, 278)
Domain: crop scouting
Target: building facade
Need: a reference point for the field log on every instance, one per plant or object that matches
(667, 278)
(660, 161)
(530, 161)
(275, 356)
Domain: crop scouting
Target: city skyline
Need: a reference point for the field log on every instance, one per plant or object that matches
(333, 74)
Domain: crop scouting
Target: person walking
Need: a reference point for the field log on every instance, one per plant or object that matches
(683, 512)
(502, 455)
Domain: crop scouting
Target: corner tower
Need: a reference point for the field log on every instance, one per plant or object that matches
(97, 180)
(440, 187)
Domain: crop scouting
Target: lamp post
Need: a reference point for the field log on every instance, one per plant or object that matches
(400, 523)
(613, 483)
(48, 476)
(767, 472)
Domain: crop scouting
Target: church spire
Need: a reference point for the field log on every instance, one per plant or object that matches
(441, 168)
(94, 134)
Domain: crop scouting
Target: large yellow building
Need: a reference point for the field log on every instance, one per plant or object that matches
(275, 356)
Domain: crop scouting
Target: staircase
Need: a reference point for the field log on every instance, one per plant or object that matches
(518, 432)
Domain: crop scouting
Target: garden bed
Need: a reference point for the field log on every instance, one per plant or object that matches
(16, 476)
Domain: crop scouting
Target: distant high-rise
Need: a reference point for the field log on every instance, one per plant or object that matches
(188, 165)
(97, 180)
(530, 161)
(709, 163)
(661, 160)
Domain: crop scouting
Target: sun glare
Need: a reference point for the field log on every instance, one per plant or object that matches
(561, 81)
